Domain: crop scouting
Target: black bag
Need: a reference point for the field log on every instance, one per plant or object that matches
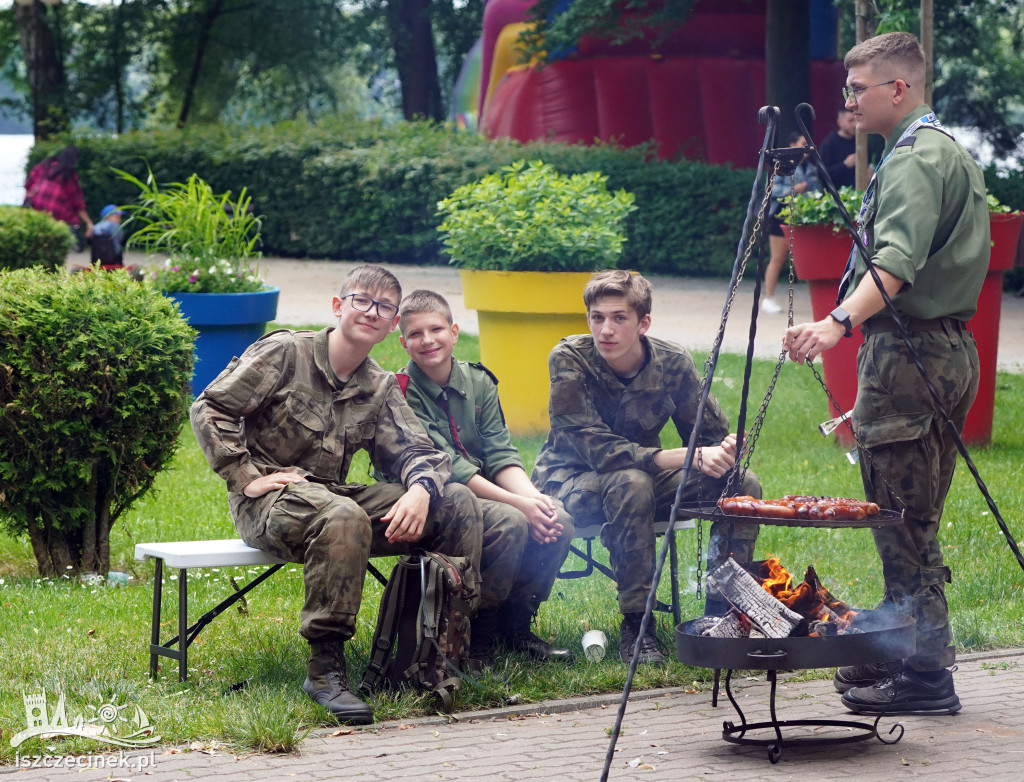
(422, 634)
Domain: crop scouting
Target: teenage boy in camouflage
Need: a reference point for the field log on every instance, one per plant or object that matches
(526, 534)
(925, 222)
(612, 392)
(281, 425)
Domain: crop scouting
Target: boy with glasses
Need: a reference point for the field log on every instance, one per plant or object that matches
(925, 223)
(281, 424)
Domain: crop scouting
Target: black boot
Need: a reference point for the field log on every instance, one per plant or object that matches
(514, 631)
(481, 641)
(628, 631)
(327, 683)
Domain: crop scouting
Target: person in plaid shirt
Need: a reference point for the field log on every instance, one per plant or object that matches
(53, 187)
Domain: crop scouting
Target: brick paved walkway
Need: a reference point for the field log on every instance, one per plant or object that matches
(667, 735)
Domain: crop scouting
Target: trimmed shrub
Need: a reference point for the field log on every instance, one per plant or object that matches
(363, 190)
(31, 238)
(94, 373)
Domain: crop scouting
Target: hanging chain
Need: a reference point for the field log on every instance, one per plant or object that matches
(752, 242)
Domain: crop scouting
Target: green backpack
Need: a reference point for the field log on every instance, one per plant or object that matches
(422, 633)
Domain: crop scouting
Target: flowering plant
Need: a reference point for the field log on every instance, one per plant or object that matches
(210, 240)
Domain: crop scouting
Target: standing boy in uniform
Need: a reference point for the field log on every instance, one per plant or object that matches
(925, 222)
(281, 425)
(526, 534)
(612, 392)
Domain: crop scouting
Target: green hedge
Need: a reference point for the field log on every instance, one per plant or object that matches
(31, 238)
(363, 190)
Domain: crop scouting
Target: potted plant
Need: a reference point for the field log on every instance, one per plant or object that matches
(211, 243)
(527, 239)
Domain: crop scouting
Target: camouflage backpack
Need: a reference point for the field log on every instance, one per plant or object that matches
(422, 633)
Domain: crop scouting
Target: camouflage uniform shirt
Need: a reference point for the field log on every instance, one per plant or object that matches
(600, 424)
(280, 407)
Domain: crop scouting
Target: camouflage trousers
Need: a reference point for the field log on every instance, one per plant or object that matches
(909, 461)
(334, 530)
(516, 569)
(628, 502)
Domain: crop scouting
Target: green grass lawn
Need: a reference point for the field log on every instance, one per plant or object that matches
(91, 642)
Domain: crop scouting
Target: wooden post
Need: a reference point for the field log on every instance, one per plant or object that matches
(865, 29)
(927, 43)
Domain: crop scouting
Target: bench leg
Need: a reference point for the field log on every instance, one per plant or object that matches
(154, 635)
(182, 624)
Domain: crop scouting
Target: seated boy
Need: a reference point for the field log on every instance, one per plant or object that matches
(526, 534)
(612, 392)
(281, 425)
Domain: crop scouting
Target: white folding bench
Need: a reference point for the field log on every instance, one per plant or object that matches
(185, 555)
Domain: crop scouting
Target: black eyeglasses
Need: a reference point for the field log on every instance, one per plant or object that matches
(851, 93)
(364, 303)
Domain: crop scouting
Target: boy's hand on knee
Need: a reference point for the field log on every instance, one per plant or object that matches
(408, 516)
(272, 482)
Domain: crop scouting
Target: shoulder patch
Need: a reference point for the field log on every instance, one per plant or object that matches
(403, 381)
(485, 370)
(907, 142)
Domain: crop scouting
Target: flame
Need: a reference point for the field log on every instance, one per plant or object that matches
(809, 598)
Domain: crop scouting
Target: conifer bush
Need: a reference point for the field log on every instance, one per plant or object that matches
(94, 373)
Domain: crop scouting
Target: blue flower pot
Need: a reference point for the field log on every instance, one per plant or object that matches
(227, 324)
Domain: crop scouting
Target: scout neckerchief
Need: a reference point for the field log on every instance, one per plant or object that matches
(442, 398)
(928, 120)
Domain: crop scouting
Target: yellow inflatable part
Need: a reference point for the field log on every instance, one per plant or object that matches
(508, 55)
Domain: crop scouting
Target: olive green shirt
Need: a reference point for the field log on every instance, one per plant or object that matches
(928, 223)
(476, 412)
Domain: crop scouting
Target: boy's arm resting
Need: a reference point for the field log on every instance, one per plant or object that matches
(495, 440)
(401, 446)
(218, 414)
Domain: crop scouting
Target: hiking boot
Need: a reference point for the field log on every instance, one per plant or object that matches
(481, 641)
(327, 684)
(909, 692)
(513, 629)
(649, 652)
(851, 676)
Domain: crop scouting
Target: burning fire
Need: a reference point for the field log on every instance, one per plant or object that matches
(809, 598)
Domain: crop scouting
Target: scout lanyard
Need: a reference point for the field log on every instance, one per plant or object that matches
(928, 120)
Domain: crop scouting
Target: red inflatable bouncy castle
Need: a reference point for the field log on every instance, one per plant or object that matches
(696, 94)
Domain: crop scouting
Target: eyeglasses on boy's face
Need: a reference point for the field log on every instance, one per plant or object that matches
(363, 303)
(852, 93)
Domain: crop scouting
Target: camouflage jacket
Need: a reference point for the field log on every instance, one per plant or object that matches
(476, 411)
(600, 424)
(281, 407)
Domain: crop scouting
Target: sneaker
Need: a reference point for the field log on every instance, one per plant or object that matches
(909, 692)
(851, 676)
(770, 306)
(649, 651)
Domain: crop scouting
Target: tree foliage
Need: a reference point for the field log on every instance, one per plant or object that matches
(94, 372)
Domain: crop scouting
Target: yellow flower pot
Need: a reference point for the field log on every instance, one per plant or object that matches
(522, 315)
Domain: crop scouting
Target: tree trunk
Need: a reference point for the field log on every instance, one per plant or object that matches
(44, 69)
(412, 37)
(64, 551)
(787, 59)
(208, 20)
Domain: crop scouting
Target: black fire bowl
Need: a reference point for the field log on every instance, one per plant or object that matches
(884, 637)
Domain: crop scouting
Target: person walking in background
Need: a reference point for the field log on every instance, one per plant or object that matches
(108, 238)
(803, 180)
(52, 186)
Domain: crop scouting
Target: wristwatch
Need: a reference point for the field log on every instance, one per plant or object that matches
(841, 316)
(428, 484)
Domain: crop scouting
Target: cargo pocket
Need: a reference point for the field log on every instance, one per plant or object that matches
(899, 428)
